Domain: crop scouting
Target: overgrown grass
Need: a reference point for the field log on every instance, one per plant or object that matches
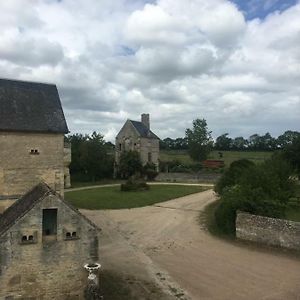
(228, 156)
(114, 198)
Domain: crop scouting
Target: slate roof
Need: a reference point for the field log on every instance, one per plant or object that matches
(143, 130)
(30, 106)
(13, 213)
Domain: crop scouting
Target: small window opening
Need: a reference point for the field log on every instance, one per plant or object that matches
(120, 147)
(50, 221)
(24, 238)
(68, 234)
(74, 234)
(149, 157)
(30, 238)
(34, 151)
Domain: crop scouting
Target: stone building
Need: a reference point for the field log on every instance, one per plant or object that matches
(44, 244)
(137, 136)
(32, 128)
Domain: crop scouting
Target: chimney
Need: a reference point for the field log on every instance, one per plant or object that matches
(145, 118)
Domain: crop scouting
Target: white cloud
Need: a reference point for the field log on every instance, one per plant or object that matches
(177, 60)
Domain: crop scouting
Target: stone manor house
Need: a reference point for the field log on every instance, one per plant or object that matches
(44, 241)
(136, 135)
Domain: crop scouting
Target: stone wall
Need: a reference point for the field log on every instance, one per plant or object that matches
(270, 231)
(188, 177)
(28, 158)
(48, 267)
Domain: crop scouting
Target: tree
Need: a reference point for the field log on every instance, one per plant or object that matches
(262, 189)
(287, 138)
(291, 152)
(199, 140)
(239, 143)
(90, 157)
(130, 164)
(223, 142)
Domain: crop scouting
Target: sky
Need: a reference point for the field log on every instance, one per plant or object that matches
(234, 63)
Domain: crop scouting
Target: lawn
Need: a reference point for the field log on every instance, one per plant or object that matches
(113, 198)
(228, 156)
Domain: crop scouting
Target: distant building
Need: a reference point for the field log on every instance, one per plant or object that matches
(32, 128)
(137, 136)
(44, 244)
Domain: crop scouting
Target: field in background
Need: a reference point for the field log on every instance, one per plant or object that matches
(228, 156)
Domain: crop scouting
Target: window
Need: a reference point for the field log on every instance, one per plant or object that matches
(149, 157)
(29, 239)
(71, 235)
(34, 151)
(120, 147)
(49, 221)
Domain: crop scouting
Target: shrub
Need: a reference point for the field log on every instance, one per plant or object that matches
(259, 189)
(133, 184)
(232, 174)
(149, 170)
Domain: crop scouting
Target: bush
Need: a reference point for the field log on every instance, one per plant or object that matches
(149, 170)
(258, 189)
(232, 174)
(133, 184)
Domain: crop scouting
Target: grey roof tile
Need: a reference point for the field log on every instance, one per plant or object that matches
(143, 130)
(30, 106)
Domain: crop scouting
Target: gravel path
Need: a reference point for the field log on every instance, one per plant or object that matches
(165, 244)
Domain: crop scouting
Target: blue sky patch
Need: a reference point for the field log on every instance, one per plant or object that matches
(261, 8)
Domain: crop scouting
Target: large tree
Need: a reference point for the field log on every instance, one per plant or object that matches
(199, 140)
(223, 142)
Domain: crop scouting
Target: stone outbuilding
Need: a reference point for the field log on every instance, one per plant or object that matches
(44, 243)
(137, 136)
(32, 128)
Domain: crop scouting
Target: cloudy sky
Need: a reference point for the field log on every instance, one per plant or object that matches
(235, 63)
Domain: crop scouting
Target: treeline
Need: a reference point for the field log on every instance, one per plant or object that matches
(224, 142)
(92, 157)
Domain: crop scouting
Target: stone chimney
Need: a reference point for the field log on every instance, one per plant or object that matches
(145, 118)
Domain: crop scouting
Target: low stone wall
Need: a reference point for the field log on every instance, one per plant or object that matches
(188, 177)
(270, 231)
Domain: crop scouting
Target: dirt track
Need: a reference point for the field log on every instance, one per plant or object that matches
(165, 244)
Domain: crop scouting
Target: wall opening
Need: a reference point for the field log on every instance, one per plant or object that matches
(50, 221)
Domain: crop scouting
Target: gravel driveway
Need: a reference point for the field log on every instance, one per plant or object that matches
(164, 244)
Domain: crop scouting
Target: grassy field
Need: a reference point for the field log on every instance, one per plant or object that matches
(113, 198)
(228, 156)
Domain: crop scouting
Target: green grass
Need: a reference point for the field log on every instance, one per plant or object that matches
(113, 198)
(228, 156)
(76, 184)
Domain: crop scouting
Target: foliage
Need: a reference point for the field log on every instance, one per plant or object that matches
(223, 142)
(133, 184)
(130, 164)
(232, 175)
(149, 171)
(173, 144)
(291, 152)
(199, 140)
(258, 189)
(90, 157)
(113, 198)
